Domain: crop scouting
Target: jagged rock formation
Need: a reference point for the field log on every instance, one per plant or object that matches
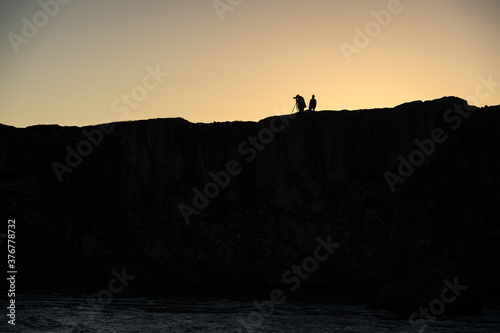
(317, 174)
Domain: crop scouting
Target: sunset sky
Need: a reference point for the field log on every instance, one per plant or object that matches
(238, 59)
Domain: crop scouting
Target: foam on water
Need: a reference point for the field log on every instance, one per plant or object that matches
(129, 312)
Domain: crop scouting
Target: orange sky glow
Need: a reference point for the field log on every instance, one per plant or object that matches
(71, 62)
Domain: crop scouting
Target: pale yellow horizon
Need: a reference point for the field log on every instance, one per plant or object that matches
(88, 62)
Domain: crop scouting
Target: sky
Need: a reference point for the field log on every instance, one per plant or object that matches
(84, 62)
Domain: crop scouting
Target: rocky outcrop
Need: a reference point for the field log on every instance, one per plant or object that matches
(291, 180)
(434, 287)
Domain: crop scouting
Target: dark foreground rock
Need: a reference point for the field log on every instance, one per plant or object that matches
(434, 288)
(316, 175)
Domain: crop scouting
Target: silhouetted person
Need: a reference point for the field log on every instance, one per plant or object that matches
(312, 104)
(301, 103)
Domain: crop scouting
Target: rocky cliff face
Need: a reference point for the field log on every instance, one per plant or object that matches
(242, 202)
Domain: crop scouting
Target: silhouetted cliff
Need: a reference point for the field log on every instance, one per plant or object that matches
(277, 185)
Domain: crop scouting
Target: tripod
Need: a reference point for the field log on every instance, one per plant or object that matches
(294, 107)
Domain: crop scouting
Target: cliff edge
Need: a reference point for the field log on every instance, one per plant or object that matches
(242, 202)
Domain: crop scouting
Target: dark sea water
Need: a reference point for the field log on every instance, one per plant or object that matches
(61, 310)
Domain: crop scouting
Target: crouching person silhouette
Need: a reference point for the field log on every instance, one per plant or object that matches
(301, 103)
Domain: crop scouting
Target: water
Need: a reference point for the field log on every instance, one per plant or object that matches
(60, 311)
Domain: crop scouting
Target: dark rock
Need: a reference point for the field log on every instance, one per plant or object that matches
(438, 287)
(322, 175)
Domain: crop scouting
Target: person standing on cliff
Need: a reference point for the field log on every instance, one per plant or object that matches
(312, 104)
(301, 103)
